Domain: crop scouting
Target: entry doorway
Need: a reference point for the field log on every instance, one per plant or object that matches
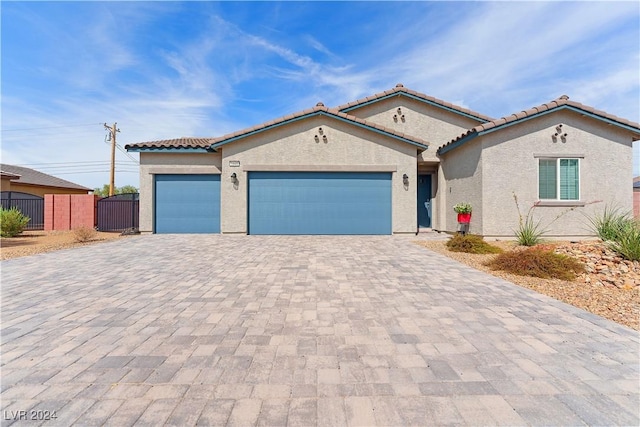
(424, 201)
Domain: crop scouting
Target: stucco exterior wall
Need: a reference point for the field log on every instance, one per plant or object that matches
(293, 148)
(636, 204)
(169, 163)
(510, 166)
(435, 125)
(460, 181)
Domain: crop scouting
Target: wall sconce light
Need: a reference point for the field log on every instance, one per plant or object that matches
(559, 128)
(320, 131)
(395, 118)
(324, 138)
(405, 179)
(234, 177)
(316, 138)
(399, 111)
(402, 118)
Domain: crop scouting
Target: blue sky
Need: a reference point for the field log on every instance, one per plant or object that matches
(163, 70)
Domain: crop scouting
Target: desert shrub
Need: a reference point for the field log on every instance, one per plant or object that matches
(12, 222)
(627, 241)
(537, 262)
(83, 234)
(610, 223)
(472, 244)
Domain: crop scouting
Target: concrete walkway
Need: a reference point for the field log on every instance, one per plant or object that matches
(275, 330)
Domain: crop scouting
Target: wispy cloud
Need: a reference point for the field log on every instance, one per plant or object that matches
(164, 70)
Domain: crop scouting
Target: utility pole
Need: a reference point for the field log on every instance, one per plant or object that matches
(112, 135)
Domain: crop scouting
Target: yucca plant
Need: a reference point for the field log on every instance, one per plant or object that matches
(610, 223)
(529, 231)
(627, 240)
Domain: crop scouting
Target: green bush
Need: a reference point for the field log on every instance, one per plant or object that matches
(610, 223)
(627, 241)
(12, 222)
(472, 244)
(537, 262)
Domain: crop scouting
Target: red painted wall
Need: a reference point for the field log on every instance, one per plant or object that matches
(69, 211)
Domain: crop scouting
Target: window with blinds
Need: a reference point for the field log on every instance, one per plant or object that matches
(558, 179)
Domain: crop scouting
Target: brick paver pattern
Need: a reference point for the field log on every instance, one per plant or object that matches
(298, 330)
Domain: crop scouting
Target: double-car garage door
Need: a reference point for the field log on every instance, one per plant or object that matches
(280, 203)
(319, 203)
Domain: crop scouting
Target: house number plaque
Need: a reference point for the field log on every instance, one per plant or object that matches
(234, 163)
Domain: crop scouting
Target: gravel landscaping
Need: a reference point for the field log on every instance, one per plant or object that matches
(610, 288)
(35, 242)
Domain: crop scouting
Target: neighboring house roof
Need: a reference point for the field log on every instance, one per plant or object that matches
(8, 175)
(400, 90)
(213, 144)
(636, 184)
(201, 144)
(34, 177)
(556, 105)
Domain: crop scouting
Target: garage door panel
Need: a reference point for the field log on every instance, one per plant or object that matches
(187, 203)
(319, 203)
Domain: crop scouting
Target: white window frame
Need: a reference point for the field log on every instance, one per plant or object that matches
(558, 178)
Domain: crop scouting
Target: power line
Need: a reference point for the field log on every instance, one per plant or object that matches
(119, 147)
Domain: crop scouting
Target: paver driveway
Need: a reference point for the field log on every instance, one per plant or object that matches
(275, 330)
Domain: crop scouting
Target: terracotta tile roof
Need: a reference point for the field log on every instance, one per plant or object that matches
(561, 102)
(400, 89)
(184, 142)
(34, 177)
(318, 109)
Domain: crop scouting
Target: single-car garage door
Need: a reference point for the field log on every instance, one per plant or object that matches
(187, 203)
(319, 203)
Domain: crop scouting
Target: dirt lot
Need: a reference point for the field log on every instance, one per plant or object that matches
(622, 305)
(35, 242)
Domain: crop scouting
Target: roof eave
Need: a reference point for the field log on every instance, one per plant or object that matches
(418, 98)
(168, 149)
(456, 144)
(580, 111)
(318, 113)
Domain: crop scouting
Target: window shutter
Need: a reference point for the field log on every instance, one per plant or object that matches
(547, 180)
(569, 179)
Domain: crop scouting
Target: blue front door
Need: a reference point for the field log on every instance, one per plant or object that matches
(187, 203)
(424, 201)
(319, 203)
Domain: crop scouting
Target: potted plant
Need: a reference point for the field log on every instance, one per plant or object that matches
(464, 212)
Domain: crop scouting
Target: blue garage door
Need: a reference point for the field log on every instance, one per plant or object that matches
(319, 203)
(187, 204)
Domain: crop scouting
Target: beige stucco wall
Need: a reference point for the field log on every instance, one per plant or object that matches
(169, 163)
(293, 148)
(510, 165)
(432, 124)
(39, 190)
(460, 181)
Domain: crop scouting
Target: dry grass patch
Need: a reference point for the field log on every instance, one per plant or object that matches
(84, 234)
(537, 262)
(471, 244)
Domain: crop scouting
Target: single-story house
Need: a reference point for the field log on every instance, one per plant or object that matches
(19, 179)
(392, 163)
